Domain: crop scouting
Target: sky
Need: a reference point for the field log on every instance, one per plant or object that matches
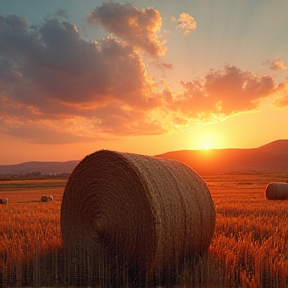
(145, 77)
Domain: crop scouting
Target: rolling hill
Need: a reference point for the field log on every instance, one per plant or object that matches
(36, 166)
(270, 157)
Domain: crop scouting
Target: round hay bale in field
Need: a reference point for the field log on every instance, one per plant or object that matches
(141, 217)
(4, 201)
(47, 198)
(277, 191)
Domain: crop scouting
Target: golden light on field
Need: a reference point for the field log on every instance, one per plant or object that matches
(242, 252)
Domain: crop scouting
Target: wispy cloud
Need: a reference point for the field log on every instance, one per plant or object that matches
(282, 100)
(276, 64)
(138, 27)
(186, 23)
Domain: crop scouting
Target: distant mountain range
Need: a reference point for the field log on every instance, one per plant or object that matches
(270, 157)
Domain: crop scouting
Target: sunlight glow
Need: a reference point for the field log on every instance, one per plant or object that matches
(206, 138)
(206, 146)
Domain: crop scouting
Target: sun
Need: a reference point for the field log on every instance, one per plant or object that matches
(206, 139)
(206, 146)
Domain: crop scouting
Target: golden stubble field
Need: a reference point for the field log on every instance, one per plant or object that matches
(249, 247)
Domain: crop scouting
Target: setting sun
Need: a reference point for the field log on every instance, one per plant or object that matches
(206, 146)
(205, 138)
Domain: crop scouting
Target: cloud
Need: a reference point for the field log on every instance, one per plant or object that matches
(167, 66)
(185, 22)
(58, 88)
(54, 62)
(221, 94)
(137, 27)
(122, 122)
(48, 74)
(282, 101)
(93, 124)
(276, 64)
(38, 133)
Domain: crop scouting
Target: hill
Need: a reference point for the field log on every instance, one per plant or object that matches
(42, 167)
(278, 147)
(270, 157)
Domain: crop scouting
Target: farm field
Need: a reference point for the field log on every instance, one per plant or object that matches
(249, 247)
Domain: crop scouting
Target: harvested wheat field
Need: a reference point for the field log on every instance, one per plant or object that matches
(248, 247)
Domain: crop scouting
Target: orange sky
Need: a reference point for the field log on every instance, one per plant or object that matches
(140, 78)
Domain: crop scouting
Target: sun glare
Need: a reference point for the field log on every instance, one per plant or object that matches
(206, 139)
(206, 146)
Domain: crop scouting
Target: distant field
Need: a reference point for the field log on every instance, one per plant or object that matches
(31, 190)
(249, 247)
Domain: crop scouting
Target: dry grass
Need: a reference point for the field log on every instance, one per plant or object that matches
(251, 237)
(25, 191)
(249, 247)
(27, 230)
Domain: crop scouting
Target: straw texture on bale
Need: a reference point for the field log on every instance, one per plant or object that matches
(138, 214)
(47, 198)
(4, 201)
(277, 191)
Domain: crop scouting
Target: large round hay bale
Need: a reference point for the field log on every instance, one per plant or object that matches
(47, 198)
(137, 215)
(277, 191)
(4, 201)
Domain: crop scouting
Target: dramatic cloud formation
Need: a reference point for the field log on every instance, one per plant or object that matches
(185, 22)
(138, 27)
(223, 93)
(58, 88)
(276, 64)
(49, 73)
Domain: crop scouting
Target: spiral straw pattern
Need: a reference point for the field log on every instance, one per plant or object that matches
(140, 217)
